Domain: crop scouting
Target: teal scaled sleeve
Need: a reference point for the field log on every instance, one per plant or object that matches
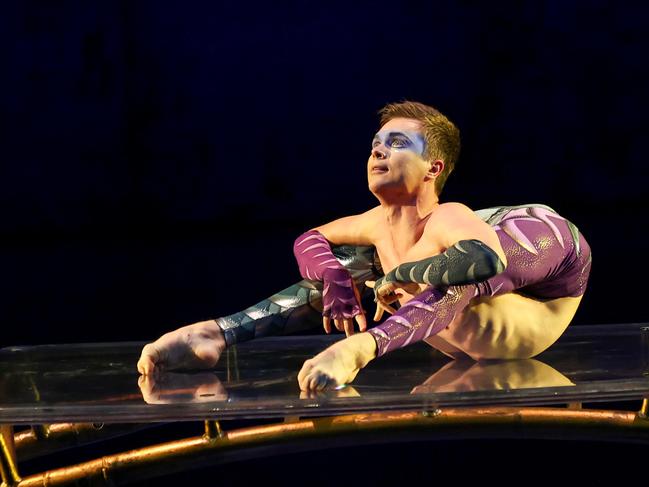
(465, 262)
(298, 307)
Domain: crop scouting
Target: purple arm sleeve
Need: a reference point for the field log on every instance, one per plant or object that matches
(430, 312)
(317, 262)
(314, 256)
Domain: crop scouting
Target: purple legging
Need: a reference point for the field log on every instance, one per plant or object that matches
(546, 258)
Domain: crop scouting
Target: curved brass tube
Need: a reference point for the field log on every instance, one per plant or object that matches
(45, 439)
(315, 434)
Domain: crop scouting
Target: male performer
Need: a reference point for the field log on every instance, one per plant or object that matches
(503, 289)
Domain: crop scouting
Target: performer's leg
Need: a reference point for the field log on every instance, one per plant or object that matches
(442, 344)
(509, 326)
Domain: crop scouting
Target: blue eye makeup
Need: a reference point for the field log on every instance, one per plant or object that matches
(400, 141)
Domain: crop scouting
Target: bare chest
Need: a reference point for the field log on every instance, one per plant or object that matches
(394, 249)
(393, 252)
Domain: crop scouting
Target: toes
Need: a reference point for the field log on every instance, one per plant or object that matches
(148, 360)
(144, 366)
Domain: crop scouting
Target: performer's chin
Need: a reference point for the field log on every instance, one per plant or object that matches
(379, 182)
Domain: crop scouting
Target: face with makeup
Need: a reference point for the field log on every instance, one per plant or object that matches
(396, 167)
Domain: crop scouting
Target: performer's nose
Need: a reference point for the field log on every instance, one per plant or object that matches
(379, 153)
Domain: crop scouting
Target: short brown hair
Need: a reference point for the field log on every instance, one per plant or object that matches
(441, 135)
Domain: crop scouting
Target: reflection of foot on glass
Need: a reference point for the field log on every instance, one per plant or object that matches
(171, 388)
(468, 375)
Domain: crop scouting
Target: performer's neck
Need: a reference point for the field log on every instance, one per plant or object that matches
(410, 211)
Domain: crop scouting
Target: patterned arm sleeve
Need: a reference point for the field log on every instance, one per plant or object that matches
(299, 307)
(466, 262)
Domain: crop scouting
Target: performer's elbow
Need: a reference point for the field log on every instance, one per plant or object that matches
(489, 264)
(493, 264)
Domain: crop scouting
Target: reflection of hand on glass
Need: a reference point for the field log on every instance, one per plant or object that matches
(467, 375)
(196, 346)
(171, 388)
(346, 391)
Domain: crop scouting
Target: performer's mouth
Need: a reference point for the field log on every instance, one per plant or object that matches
(379, 169)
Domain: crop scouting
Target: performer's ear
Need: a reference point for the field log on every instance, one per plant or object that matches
(435, 169)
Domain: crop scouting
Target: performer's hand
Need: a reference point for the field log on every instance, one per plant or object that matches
(196, 346)
(385, 293)
(341, 302)
(338, 364)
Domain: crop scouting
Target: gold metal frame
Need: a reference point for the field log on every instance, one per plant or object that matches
(215, 446)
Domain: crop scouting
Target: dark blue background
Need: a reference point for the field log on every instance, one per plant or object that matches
(159, 158)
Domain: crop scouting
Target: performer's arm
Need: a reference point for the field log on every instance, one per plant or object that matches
(341, 299)
(473, 254)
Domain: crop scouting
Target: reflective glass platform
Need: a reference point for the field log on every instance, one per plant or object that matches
(98, 382)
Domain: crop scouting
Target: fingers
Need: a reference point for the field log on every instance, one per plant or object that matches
(310, 379)
(379, 312)
(362, 322)
(315, 381)
(410, 287)
(381, 307)
(387, 308)
(303, 375)
(370, 284)
(318, 382)
(387, 289)
(389, 299)
(327, 324)
(349, 326)
(345, 324)
(339, 324)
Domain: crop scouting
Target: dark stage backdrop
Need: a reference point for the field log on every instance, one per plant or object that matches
(159, 158)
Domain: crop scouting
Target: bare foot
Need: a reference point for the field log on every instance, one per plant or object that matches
(196, 346)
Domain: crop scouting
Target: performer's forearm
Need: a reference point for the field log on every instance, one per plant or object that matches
(466, 262)
(425, 315)
(314, 256)
(298, 307)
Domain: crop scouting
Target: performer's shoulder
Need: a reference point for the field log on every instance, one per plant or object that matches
(449, 215)
(373, 214)
(452, 209)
